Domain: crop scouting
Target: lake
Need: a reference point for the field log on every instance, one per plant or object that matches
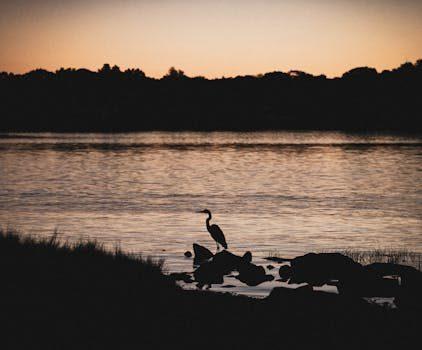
(271, 192)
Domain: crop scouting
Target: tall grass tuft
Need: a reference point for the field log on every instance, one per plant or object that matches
(384, 255)
(88, 259)
(377, 255)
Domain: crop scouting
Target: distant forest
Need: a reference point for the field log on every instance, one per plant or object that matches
(112, 100)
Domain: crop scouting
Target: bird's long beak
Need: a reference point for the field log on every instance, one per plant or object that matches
(200, 211)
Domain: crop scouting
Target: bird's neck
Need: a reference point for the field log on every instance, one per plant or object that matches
(208, 220)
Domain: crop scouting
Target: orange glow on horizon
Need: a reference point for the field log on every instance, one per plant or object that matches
(212, 39)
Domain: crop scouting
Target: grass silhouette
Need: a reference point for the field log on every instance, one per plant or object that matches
(385, 255)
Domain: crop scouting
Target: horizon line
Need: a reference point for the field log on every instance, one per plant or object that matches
(204, 77)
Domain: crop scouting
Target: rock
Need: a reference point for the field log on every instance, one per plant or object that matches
(247, 257)
(270, 267)
(389, 269)
(188, 254)
(181, 276)
(212, 272)
(253, 275)
(227, 261)
(285, 272)
(208, 273)
(410, 277)
(319, 269)
(372, 282)
(408, 295)
(350, 277)
(201, 254)
(228, 286)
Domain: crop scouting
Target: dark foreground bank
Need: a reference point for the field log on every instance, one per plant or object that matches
(58, 296)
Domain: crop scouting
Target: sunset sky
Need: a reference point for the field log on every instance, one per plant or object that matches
(210, 37)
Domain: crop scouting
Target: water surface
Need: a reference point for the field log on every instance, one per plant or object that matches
(270, 192)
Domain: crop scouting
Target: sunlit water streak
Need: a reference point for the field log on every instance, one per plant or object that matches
(270, 192)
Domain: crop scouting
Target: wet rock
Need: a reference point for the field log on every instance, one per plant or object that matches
(247, 257)
(320, 269)
(408, 295)
(350, 277)
(228, 286)
(388, 269)
(208, 273)
(409, 276)
(285, 272)
(181, 276)
(212, 271)
(270, 267)
(227, 262)
(201, 254)
(188, 254)
(372, 282)
(253, 275)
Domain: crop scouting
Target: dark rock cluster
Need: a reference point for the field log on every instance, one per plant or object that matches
(211, 269)
(352, 279)
(404, 283)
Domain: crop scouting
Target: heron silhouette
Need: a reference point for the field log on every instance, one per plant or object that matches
(215, 231)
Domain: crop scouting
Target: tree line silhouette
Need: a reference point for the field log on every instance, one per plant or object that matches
(112, 100)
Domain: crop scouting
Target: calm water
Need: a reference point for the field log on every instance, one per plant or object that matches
(284, 192)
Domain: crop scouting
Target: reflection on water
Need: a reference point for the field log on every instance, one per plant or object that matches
(284, 192)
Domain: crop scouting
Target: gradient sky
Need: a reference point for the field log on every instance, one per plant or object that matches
(210, 37)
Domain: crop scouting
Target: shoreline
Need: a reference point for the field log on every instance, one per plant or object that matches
(83, 296)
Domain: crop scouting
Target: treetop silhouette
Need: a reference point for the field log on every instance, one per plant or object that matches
(110, 99)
